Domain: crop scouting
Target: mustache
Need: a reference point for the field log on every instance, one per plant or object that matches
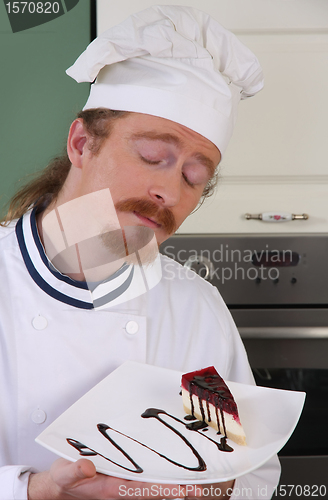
(149, 209)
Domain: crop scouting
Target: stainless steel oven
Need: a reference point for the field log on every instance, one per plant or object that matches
(276, 287)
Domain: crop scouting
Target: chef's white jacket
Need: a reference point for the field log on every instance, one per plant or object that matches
(55, 346)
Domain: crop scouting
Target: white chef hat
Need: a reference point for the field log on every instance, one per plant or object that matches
(173, 62)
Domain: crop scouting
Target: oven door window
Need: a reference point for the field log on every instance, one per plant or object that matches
(310, 436)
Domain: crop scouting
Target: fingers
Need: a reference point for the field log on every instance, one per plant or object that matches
(67, 480)
(80, 480)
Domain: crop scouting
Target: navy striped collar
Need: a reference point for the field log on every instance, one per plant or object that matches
(60, 287)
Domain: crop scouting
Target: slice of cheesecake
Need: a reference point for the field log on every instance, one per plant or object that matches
(207, 397)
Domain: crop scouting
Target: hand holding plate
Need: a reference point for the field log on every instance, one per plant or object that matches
(67, 480)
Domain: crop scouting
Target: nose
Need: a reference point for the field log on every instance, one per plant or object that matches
(166, 189)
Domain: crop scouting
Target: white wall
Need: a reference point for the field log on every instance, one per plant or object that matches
(277, 159)
(233, 14)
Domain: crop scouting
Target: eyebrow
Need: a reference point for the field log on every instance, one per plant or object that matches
(173, 139)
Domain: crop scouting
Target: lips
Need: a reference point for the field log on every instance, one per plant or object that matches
(150, 214)
(147, 221)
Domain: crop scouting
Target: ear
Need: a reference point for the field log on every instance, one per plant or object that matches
(76, 142)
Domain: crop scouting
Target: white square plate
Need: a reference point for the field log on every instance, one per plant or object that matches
(269, 417)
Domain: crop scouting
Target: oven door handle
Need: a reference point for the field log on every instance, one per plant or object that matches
(282, 332)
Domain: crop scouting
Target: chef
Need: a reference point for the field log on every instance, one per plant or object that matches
(142, 154)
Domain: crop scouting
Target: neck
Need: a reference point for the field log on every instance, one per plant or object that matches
(66, 249)
(77, 276)
(89, 263)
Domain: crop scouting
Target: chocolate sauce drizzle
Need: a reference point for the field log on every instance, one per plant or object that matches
(153, 413)
(201, 425)
(86, 451)
(190, 417)
(203, 385)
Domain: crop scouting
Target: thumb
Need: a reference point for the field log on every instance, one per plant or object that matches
(84, 468)
(68, 474)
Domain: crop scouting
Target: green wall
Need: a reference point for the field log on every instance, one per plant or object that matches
(38, 99)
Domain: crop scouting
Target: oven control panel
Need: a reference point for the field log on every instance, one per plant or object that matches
(257, 269)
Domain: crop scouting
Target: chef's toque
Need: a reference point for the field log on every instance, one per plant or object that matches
(173, 62)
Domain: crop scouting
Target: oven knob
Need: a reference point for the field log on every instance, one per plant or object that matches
(201, 265)
(293, 280)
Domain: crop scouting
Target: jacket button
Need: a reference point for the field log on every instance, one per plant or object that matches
(39, 322)
(39, 416)
(132, 327)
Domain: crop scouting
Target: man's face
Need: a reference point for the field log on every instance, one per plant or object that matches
(156, 171)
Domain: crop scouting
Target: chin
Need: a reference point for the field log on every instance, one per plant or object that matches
(161, 238)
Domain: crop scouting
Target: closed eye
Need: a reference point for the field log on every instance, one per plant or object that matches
(187, 180)
(150, 162)
(193, 174)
